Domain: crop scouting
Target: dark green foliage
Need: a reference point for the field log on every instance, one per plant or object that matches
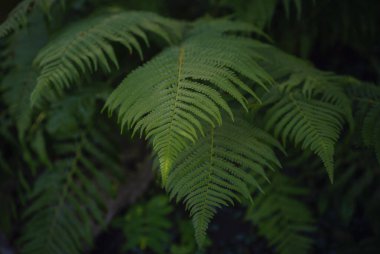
(216, 101)
(366, 99)
(261, 12)
(68, 199)
(303, 121)
(18, 17)
(281, 216)
(86, 47)
(146, 226)
(217, 170)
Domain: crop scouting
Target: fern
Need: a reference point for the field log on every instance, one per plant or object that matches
(310, 106)
(146, 226)
(186, 102)
(69, 200)
(87, 46)
(313, 124)
(218, 170)
(282, 217)
(169, 96)
(18, 17)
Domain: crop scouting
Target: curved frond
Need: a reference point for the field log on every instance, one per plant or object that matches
(168, 97)
(308, 122)
(282, 218)
(86, 47)
(218, 170)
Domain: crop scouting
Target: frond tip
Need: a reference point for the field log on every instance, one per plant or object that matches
(219, 169)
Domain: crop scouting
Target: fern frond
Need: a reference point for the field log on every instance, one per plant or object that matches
(311, 106)
(311, 123)
(168, 97)
(293, 73)
(146, 226)
(218, 170)
(87, 46)
(282, 218)
(69, 200)
(18, 17)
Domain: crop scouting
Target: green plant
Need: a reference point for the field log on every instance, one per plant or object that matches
(218, 104)
(146, 226)
(282, 218)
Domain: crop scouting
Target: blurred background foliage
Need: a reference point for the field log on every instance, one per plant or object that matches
(344, 217)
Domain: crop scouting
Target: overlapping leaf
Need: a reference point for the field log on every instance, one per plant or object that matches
(168, 97)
